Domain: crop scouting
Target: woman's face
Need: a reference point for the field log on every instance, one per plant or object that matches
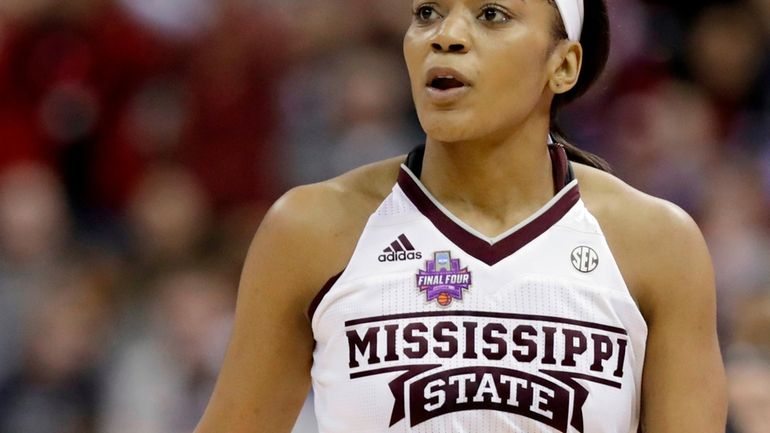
(479, 68)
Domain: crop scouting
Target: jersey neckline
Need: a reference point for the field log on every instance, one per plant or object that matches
(492, 250)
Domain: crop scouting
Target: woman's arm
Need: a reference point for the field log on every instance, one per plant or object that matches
(266, 373)
(683, 389)
(666, 264)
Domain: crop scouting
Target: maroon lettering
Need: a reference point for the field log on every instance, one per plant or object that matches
(449, 341)
(491, 332)
(549, 343)
(490, 388)
(432, 391)
(575, 344)
(493, 341)
(621, 357)
(602, 351)
(411, 338)
(470, 340)
(368, 343)
(520, 340)
(391, 354)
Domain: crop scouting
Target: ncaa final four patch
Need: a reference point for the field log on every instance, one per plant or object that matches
(443, 279)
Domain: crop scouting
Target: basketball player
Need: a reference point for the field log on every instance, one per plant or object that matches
(488, 281)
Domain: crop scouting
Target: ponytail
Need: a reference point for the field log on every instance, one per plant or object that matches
(576, 154)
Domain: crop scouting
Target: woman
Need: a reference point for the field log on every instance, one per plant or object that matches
(475, 286)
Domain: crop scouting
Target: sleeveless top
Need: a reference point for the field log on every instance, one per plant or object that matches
(434, 327)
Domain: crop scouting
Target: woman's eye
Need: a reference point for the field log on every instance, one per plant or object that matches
(493, 15)
(426, 13)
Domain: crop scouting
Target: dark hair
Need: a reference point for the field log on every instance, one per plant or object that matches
(595, 40)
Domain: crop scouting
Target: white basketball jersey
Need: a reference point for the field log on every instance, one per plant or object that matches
(435, 328)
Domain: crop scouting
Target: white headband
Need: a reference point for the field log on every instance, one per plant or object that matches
(572, 13)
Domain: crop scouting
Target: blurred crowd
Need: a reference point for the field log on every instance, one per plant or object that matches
(142, 140)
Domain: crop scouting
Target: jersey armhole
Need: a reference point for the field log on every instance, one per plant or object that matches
(321, 293)
(331, 282)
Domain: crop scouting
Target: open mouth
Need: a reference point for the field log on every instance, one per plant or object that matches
(446, 83)
(446, 86)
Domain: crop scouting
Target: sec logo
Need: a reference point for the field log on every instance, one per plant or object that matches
(585, 259)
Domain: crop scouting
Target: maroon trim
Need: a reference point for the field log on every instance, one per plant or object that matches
(320, 295)
(490, 315)
(419, 368)
(475, 246)
(560, 374)
(480, 248)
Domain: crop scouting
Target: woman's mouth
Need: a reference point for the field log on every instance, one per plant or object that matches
(446, 85)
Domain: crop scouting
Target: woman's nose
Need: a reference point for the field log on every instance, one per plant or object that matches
(452, 47)
(452, 36)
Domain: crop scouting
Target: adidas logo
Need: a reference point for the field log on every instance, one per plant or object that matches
(400, 250)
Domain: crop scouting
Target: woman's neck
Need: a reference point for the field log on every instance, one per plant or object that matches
(502, 181)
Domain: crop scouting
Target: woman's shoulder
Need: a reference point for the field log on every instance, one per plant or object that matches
(653, 240)
(344, 199)
(615, 202)
(323, 221)
(619, 206)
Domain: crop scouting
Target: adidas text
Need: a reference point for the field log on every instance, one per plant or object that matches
(400, 256)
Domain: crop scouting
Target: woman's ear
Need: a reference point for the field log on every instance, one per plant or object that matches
(564, 66)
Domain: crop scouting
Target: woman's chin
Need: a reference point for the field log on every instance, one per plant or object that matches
(447, 131)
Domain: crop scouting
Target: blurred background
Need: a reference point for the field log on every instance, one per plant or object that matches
(141, 141)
